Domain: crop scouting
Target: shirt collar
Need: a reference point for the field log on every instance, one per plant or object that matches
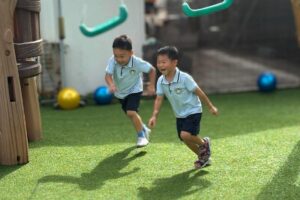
(175, 79)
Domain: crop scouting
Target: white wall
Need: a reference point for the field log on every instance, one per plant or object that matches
(86, 58)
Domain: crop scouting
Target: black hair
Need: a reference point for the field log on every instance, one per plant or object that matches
(170, 51)
(122, 42)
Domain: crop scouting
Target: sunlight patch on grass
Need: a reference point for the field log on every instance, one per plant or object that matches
(87, 155)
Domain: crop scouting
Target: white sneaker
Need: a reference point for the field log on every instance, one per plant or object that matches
(147, 132)
(141, 142)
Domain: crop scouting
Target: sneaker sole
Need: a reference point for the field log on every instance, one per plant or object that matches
(200, 167)
(141, 146)
(206, 164)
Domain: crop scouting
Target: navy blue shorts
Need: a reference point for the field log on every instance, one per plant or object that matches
(189, 124)
(131, 102)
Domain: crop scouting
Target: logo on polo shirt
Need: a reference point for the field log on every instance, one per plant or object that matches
(132, 72)
(178, 90)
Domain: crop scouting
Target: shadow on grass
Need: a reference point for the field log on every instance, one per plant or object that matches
(283, 185)
(5, 170)
(106, 170)
(175, 187)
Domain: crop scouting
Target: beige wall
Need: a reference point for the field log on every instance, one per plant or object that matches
(86, 58)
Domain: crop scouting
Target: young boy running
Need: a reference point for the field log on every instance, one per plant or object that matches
(124, 78)
(184, 96)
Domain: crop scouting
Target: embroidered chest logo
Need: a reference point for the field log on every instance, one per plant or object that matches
(132, 72)
(178, 90)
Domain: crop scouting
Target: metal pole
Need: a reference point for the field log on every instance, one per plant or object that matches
(61, 45)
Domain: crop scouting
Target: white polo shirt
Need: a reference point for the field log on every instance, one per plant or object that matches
(128, 79)
(180, 93)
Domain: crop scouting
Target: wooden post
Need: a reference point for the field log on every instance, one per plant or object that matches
(28, 47)
(296, 10)
(13, 137)
(31, 108)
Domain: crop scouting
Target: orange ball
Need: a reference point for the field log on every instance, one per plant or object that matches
(68, 98)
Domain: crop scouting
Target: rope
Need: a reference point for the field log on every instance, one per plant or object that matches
(84, 11)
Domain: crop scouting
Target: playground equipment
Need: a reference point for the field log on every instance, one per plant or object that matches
(102, 95)
(205, 11)
(13, 139)
(101, 28)
(267, 82)
(28, 46)
(68, 98)
(19, 113)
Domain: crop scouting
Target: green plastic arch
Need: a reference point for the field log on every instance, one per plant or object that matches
(101, 28)
(205, 11)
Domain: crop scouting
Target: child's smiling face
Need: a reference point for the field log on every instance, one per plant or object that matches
(122, 56)
(165, 65)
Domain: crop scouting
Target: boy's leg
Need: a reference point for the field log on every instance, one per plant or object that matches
(138, 125)
(131, 107)
(195, 143)
(192, 146)
(136, 120)
(188, 128)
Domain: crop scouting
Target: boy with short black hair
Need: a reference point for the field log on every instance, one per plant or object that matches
(124, 78)
(184, 96)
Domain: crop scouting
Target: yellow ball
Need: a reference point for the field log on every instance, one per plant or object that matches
(68, 98)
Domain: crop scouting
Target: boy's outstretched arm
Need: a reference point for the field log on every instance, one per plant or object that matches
(157, 104)
(109, 81)
(152, 79)
(213, 110)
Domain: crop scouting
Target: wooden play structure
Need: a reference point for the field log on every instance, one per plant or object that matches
(20, 46)
(296, 10)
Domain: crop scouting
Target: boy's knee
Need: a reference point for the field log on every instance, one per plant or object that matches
(185, 136)
(130, 113)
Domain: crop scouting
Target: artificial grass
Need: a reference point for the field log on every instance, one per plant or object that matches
(89, 153)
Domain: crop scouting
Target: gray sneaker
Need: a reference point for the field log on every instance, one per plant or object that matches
(198, 164)
(207, 141)
(204, 150)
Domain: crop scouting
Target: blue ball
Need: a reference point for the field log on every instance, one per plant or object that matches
(266, 82)
(102, 95)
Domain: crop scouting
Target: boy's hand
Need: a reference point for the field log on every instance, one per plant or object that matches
(112, 88)
(213, 110)
(152, 122)
(151, 90)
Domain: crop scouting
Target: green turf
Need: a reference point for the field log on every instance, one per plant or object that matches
(89, 153)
